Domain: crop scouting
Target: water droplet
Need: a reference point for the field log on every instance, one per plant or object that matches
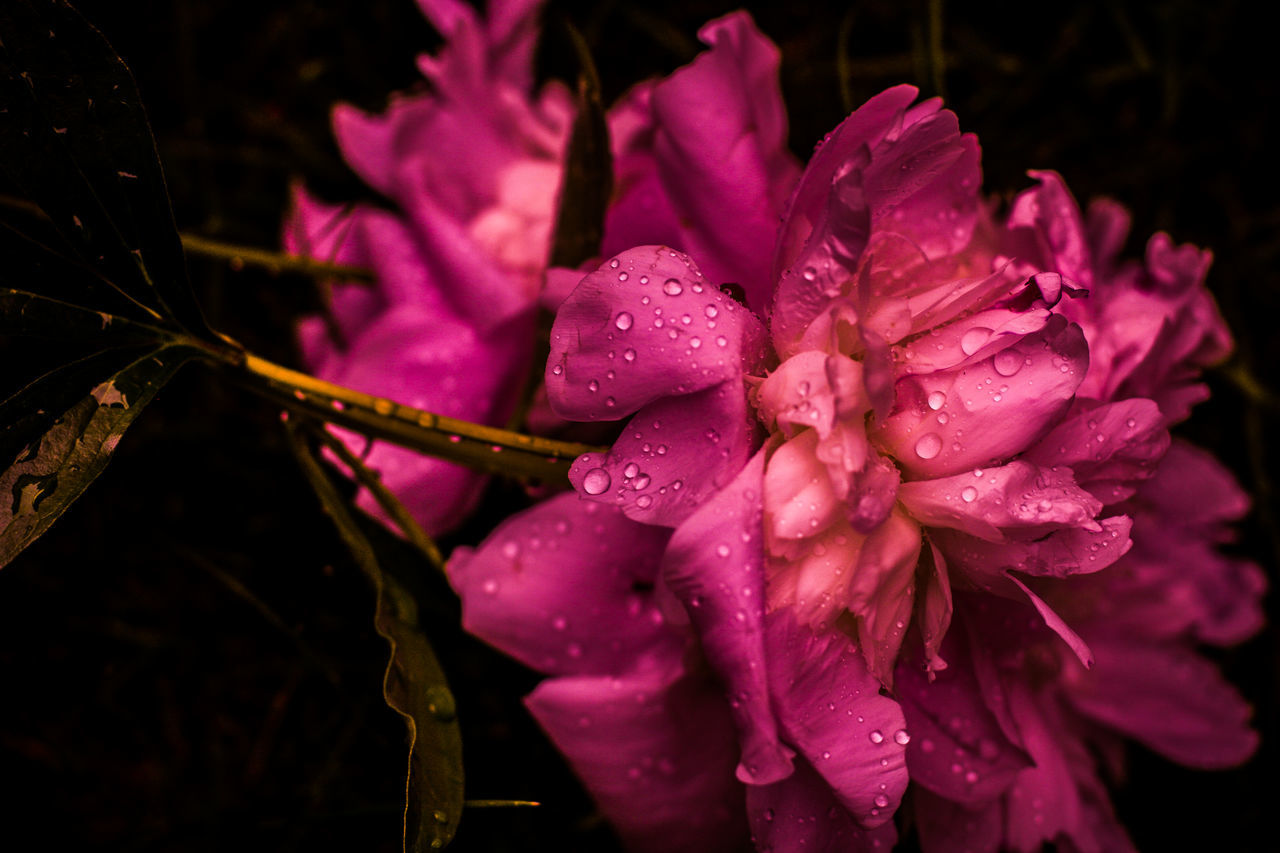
(937, 400)
(624, 321)
(644, 501)
(722, 550)
(881, 800)
(593, 386)
(968, 494)
(973, 339)
(672, 287)
(622, 276)
(876, 736)
(1007, 362)
(1131, 423)
(557, 370)
(613, 264)
(631, 470)
(928, 446)
(809, 274)
(609, 402)
(627, 355)
(711, 311)
(901, 737)
(596, 481)
(641, 483)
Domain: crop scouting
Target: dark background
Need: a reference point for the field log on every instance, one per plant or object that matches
(187, 658)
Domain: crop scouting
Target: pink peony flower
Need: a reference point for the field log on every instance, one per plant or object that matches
(797, 508)
(474, 168)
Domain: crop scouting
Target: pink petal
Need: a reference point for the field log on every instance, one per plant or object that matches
(800, 815)
(567, 587)
(1044, 802)
(946, 826)
(934, 608)
(643, 327)
(715, 566)
(885, 170)
(674, 455)
(986, 503)
(720, 167)
(881, 591)
(1110, 448)
(1192, 486)
(1052, 214)
(1167, 697)
(958, 748)
(830, 708)
(1065, 552)
(1056, 624)
(974, 416)
(656, 750)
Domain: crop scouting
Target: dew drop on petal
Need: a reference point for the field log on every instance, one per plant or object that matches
(672, 287)
(968, 494)
(937, 400)
(901, 737)
(928, 446)
(596, 481)
(973, 339)
(876, 736)
(624, 320)
(1007, 362)
(881, 800)
(627, 355)
(631, 470)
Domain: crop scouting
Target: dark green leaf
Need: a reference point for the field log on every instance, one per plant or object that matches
(75, 140)
(58, 433)
(25, 313)
(588, 173)
(414, 685)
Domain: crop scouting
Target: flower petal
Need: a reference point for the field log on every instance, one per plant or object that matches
(643, 327)
(800, 815)
(1110, 448)
(973, 416)
(887, 169)
(986, 503)
(830, 708)
(567, 587)
(958, 748)
(1169, 698)
(656, 750)
(719, 169)
(715, 566)
(672, 456)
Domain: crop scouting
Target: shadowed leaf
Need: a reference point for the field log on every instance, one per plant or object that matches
(588, 173)
(75, 140)
(414, 685)
(59, 432)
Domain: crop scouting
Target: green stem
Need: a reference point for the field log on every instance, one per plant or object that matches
(486, 448)
(274, 262)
